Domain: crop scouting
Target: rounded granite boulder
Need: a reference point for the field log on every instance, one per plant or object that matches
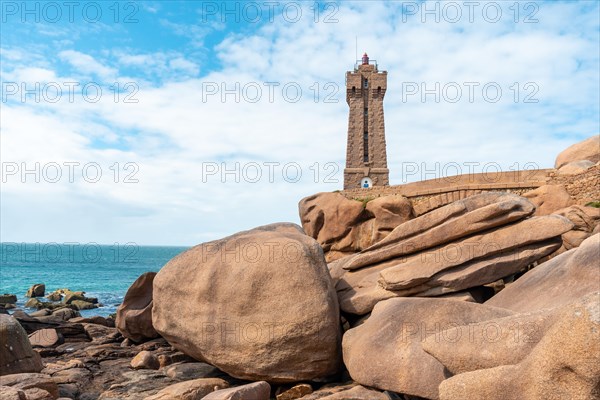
(258, 305)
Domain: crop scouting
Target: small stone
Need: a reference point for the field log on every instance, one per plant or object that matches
(79, 376)
(178, 357)
(255, 391)
(83, 305)
(295, 392)
(8, 299)
(65, 314)
(38, 394)
(101, 334)
(29, 382)
(72, 296)
(359, 393)
(187, 371)
(190, 390)
(54, 296)
(10, 393)
(46, 338)
(145, 360)
(40, 313)
(96, 319)
(34, 303)
(37, 290)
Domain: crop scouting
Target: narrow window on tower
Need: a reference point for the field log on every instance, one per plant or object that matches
(366, 83)
(366, 146)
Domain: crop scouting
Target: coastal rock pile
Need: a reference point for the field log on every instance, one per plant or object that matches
(557, 282)
(586, 222)
(59, 299)
(343, 226)
(559, 366)
(466, 244)
(385, 351)
(497, 345)
(432, 348)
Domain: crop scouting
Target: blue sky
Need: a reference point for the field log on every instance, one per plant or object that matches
(191, 90)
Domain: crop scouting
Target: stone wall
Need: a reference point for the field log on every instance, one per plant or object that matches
(583, 188)
(433, 193)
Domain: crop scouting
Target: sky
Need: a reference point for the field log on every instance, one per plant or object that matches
(180, 122)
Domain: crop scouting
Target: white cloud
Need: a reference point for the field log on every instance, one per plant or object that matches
(173, 130)
(195, 32)
(183, 65)
(31, 75)
(86, 64)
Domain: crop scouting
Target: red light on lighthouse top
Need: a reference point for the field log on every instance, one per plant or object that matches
(365, 59)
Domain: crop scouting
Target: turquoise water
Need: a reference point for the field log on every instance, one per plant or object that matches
(102, 271)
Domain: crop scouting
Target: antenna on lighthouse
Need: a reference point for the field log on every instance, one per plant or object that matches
(356, 49)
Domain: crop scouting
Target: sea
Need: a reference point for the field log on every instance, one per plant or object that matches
(102, 271)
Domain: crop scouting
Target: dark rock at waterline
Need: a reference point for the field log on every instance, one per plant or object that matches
(37, 290)
(8, 299)
(72, 297)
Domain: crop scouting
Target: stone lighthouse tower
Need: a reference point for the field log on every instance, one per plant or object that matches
(366, 159)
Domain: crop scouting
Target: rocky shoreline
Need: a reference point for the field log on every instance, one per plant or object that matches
(496, 296)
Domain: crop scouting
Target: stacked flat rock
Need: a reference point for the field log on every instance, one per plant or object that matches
(344, 226)
(465, 244)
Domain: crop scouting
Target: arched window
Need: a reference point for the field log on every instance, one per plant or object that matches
(366, 182)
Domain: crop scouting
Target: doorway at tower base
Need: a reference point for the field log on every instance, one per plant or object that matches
(356, 178)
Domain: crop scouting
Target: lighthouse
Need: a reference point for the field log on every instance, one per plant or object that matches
(366, 158)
